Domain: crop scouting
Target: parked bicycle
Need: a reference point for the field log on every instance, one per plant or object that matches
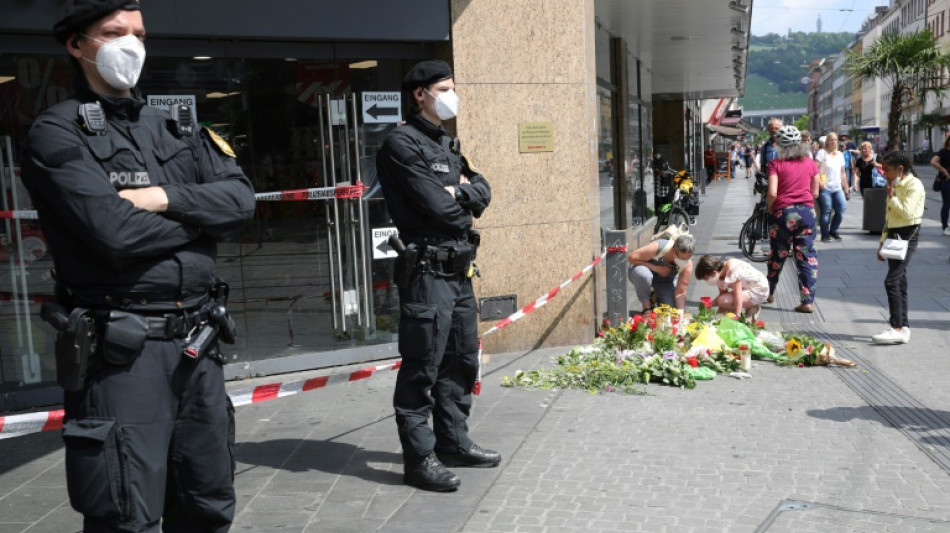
(754, 236)
(677, 201)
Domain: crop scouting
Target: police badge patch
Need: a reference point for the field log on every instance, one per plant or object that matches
(440, 167)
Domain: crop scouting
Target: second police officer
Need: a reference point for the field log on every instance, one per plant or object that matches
(433, 193)
(133, 201)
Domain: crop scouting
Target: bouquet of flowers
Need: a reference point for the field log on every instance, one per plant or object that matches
(803, 350)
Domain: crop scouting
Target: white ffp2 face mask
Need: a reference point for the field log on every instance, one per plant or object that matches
(120, 61)
(446, 104)
(680, 262)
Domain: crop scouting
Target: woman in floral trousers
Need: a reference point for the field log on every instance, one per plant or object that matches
(793, 186)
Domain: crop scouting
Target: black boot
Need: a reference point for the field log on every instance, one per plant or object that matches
(430, 474)
(475, 456)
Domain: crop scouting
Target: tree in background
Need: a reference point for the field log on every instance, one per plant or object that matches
(927, 122)
(913, 66)
(802, 122)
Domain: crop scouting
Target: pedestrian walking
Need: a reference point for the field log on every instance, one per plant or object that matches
(769, 150)
(709, 161)
(148, 427)
(941, 162)
(793, 187)
(834, 189)
(433, 192)
(905, 211)
(865, 166)
(806, 140)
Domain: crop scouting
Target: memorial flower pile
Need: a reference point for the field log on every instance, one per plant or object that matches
(664, 346)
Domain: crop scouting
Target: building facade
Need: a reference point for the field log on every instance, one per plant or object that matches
(305, 93)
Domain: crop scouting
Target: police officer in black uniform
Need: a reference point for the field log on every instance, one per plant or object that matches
(433, 193)
(133, 201)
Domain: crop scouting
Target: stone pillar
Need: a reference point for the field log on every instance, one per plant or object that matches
(616, 273)
(518, 61)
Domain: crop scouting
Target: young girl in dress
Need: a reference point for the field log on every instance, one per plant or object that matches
(741, 286)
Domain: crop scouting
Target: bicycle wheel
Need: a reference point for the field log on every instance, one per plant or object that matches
(678, 217)
(662, 221)
(754, 238)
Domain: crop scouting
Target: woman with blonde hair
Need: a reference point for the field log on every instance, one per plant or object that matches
(834, 189)
(865, 165)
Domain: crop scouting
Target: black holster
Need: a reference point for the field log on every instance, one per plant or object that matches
(75, 343)
(405, 265)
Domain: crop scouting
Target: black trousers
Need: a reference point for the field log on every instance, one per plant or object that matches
(438, 342)
(152, 441)
(896, 281)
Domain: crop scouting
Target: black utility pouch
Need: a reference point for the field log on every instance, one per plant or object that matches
(461, 257)
(74, 346)
(123, 337)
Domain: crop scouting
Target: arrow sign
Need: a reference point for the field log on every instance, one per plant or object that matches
(375, 111)
(381, 247)
(382, 107)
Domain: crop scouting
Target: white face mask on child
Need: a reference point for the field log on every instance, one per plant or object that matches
(712, 281)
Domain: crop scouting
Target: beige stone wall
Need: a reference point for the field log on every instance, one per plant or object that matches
(527, 61)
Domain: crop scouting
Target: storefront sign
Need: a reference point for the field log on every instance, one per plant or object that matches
(381, 247)
(535, 137)
(165, 100)
(382, 107)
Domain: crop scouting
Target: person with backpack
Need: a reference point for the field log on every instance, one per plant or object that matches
(663, 267)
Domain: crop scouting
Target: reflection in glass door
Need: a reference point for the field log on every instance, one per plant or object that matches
(309, 281)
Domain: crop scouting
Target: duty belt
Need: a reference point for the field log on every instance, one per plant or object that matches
(449, 260)
(173, 325)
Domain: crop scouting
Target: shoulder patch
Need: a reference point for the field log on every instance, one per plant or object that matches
(222, 145)
(468, 164)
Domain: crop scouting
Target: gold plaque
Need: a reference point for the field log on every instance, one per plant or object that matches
(535, 137)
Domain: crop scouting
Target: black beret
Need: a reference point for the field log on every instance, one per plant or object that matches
(76, 15)
(425, 74)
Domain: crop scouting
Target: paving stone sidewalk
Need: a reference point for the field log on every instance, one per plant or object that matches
(790, 450)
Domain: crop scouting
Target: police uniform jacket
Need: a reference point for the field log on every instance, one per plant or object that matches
(416, 162)
(108, 252)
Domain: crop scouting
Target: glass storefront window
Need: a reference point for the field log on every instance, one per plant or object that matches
(606, 156)
(304, 279)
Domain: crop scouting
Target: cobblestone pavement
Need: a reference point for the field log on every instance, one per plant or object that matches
(790, 450)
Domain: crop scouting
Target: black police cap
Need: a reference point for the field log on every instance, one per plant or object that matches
(425, 74)
(76, 15)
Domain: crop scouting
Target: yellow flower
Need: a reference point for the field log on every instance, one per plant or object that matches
(792, 347)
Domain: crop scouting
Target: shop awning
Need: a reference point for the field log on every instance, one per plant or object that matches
(725, 130)
(748, 127)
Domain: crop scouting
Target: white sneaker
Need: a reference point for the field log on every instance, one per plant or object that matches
(946, 231)
(889, 336)
(906, 331)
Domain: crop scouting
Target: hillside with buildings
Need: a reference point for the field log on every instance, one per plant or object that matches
(778, 64)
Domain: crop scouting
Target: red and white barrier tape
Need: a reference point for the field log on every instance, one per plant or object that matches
(17, 425)
(542, 301)
(342, 192)
(272, 391)
(21, 214)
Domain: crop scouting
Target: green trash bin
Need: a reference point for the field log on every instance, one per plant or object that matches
(875, 202)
